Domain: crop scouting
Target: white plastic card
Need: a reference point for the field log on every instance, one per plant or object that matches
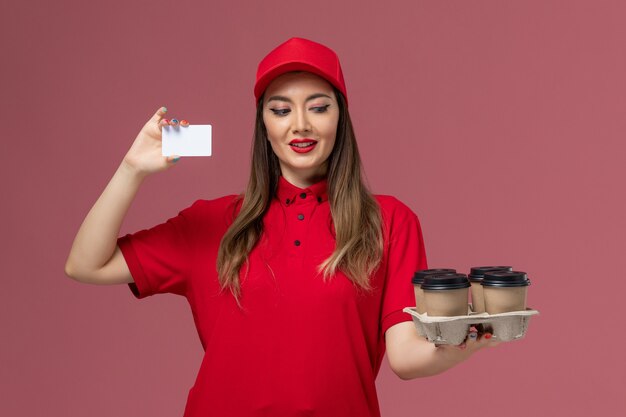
(192, 140)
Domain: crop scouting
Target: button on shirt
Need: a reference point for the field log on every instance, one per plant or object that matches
(300, 345)
(300, 205)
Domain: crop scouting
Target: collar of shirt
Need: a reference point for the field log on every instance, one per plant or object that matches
(288, 193)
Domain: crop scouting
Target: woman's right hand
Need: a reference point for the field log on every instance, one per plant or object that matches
(145, 156)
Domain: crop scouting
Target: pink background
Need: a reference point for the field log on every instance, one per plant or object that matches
(500, 123)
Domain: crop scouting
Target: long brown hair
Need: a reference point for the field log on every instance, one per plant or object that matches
(355, 212)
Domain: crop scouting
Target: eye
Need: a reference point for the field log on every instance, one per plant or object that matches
(280, 112)
(321, 109)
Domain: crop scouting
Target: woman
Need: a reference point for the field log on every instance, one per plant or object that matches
(296, 286)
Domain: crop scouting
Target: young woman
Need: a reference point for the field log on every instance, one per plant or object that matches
(297, 285)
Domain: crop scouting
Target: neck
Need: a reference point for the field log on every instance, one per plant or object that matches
(304, 179)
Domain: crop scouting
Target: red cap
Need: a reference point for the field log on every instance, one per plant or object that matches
(298, 54)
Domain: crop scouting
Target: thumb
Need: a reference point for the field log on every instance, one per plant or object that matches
(159, 114)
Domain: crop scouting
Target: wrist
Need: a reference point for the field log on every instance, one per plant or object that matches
(131, 172)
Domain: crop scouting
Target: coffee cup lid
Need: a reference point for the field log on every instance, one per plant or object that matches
(477, 273)
(418, 277)
(445, 282)
(505, 279)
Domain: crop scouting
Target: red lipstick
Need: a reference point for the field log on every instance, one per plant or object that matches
(307, 145)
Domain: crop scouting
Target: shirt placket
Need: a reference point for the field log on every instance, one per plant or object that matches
(298, 218)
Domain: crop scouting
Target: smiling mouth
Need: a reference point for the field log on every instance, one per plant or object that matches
(302, 144)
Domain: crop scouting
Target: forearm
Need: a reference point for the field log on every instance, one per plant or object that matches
(96, 239)
(423, 358)
(412, 356)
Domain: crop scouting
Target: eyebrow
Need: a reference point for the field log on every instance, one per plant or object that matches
(288, 100)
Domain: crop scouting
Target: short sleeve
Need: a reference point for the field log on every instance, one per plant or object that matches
(406, 255)
(160, 258)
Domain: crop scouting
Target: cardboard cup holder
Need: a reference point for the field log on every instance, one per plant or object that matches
(504, 327)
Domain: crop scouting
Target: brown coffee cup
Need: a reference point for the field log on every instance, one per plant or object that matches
(446, 295)
(476, 276)
(505, 291)
(418, 279)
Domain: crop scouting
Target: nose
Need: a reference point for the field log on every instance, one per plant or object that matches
(301, 122)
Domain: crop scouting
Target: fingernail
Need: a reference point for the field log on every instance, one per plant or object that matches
(184, 122)
(487, 335)
(473, 335)
(176, 159)
(174, 121)
(165, 120)
(164, 108)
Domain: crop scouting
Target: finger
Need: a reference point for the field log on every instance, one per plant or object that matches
(472, 334)
(490, 341)
(173, 159)
(174, 122)
(184, 123)
(482, 341)
(159, 114)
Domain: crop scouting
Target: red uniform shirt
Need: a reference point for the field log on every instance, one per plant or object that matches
(300, 346)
